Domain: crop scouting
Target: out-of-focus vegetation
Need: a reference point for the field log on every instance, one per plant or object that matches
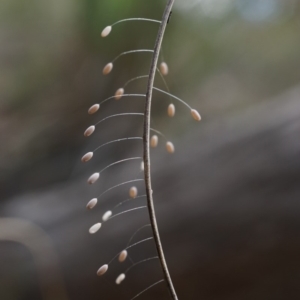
(51, 56)
(236, 61)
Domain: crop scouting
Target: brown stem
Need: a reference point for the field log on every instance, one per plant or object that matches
(146, 144)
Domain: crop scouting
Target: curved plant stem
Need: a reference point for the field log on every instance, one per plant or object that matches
(146, 144)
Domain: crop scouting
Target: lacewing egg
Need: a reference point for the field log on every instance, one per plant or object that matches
(86, 157)
(106, 216)
(170, 147)
(92, 203)
(93, 178)
(95, 228)
(123, 256)
(133, 192)
(102, 270)
(119, 93)
(164, 69)
(107, 69)
(120, 278)
(171, 110)
(195, 115)
(106, 31)
(94, 108)
(154, 141)
(89, 131)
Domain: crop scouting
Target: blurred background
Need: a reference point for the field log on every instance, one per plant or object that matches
(227, 200)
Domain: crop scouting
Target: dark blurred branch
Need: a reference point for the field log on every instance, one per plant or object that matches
(40, 246)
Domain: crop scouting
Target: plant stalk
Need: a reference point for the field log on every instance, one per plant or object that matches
(146, 145)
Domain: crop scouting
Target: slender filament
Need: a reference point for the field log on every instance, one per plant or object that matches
(119, 115)
(118, 162)
(136, 19)
(120, 184)
(132, 51)
(137, 243)
(126, 211)
(128, 200)
(158, 132)
(171, 95)
(135, 78)
(131, 246)
(146, 76)
(131, 238)
(149, 287)
(125, 95)
(136, 232)
(163, 79)
(140, 262)
(118, 140)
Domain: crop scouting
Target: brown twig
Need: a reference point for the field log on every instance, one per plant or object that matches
(146, 144)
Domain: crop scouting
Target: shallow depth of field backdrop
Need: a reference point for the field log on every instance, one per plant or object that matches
(227, 200)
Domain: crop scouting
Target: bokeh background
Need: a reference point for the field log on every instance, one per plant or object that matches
(227, 200)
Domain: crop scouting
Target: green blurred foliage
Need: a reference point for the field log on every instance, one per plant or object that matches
(52, 58)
